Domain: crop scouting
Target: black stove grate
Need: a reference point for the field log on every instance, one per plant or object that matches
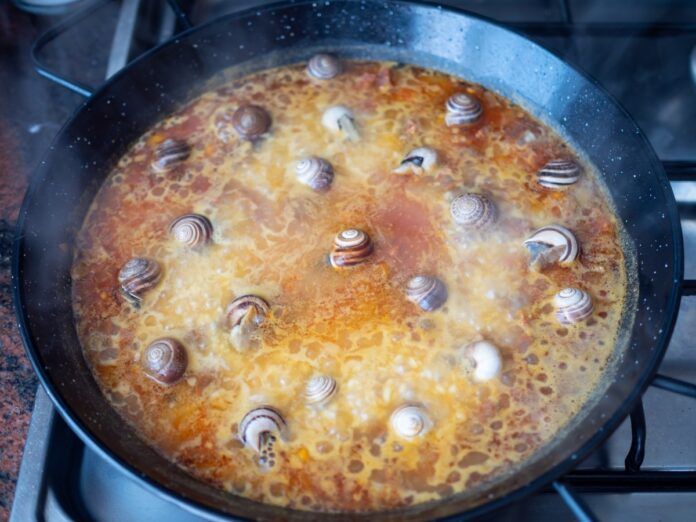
(632, 479)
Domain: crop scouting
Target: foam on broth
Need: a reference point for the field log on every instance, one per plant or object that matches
(271, 237)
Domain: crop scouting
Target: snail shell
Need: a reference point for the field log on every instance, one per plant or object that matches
(340, 119)
(320, 389)
(473, 210)
(486, 360)
(170, 153)
(428, 292)
(323, 66)
(260, 429)
(314, 172)
(165, 360)
(558, 174)
(552, 244)
(462, 109)
(419, 160)
(245, 314)
(351, 247)
(251, 121)
(137, 276)
(240, 307)
(572, 306)
(410, 421)
(193, 230)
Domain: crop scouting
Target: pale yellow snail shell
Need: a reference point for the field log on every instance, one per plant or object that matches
(320, 389)
(410, 420)
(572, 306)
(462, 109)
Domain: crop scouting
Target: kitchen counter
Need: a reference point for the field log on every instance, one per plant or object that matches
(31, 111)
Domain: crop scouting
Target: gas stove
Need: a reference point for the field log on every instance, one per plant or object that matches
(645, 56)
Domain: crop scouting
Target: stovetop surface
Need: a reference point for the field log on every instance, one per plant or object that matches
(652, 76)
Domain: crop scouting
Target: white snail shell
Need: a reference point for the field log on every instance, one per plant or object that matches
(473, 211)
(462, 109)
(317, 173)
(418, 161)
(572, 306)
(351, 247)
(320, 389)
(192, 230)
(260, 429)
(552, 244)
(410, 421)
(340, 119)
(323, 66)
(486, 359)
(558, 174)
(428, 292)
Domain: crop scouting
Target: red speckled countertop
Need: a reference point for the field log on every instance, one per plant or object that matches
(31, 111)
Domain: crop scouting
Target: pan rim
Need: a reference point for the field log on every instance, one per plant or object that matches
(606, 429)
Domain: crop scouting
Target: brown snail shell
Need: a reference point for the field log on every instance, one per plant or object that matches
(558, 174)
(165, 360)
(170, 153)
(137, 276)
(410, 420)
(351, 247)
(473, 211)
(572, 306)
(418, 161)
(552, 244)
(462, 109)
(251, 121)
(192, 230)
(324, 66)
(245, 314)
(260, 429)
(317, 173)
(320, 389)
(426, 291)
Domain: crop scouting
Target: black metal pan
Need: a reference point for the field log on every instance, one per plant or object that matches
(448, 40)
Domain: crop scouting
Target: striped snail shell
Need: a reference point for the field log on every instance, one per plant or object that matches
(251, 121)
(410, 421)
(486, 360)
(572, 306)
(418, 161)
(240, 307)
(260, 429)
(137, 276)
(323, 66)
(192, 230)
(351, 247)
(473, 210)
(317, 173)
(462, 109)
(170, 153)
(552, 244)
(340, 119)
(426, 291)
(245, 314)
(558, 174)
(165, 360)
(320, 389)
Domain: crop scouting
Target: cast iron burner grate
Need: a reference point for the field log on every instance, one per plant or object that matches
(51, 480)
